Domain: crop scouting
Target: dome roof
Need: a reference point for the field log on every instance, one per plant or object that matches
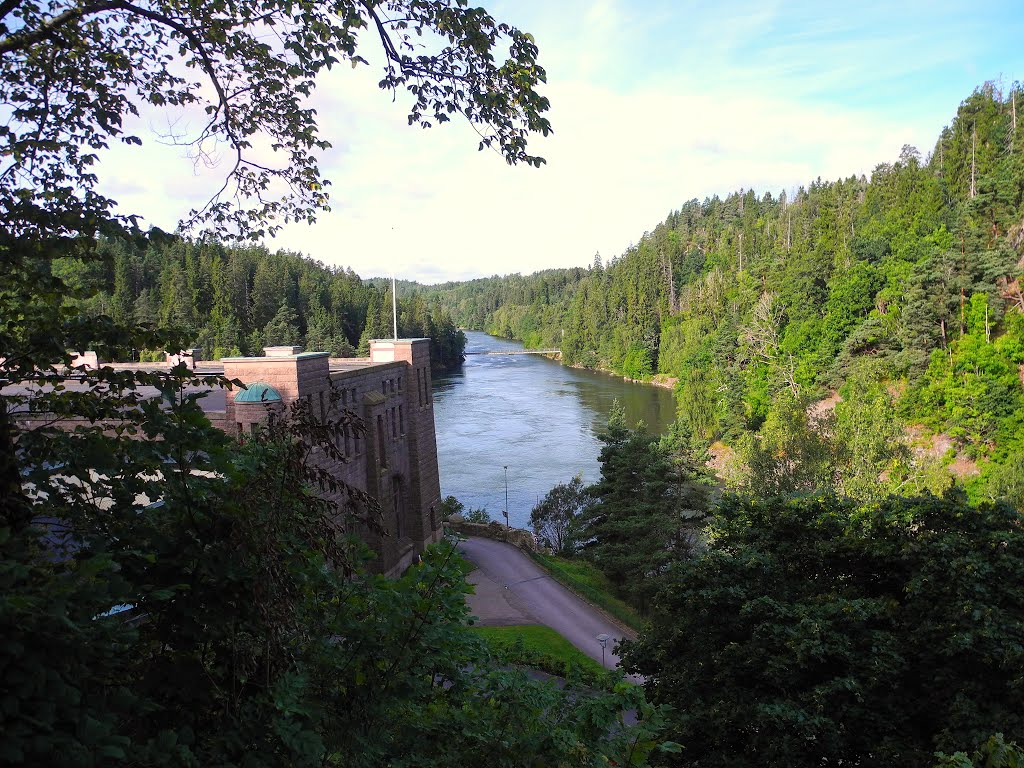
(258, 393)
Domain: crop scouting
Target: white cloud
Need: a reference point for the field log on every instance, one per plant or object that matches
(634, 138)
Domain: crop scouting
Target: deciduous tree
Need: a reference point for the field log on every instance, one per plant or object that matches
(822, 632)
(556, 518)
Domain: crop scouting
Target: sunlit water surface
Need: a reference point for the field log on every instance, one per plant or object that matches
(533, 415)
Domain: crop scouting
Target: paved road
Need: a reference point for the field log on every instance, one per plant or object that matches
(512, 589)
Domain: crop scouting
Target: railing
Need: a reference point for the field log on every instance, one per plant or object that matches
(518, 352)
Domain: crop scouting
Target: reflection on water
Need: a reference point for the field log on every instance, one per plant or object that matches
(533, 415)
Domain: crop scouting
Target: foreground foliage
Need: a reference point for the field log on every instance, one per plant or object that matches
(254, 638)
(820, 631)
(994, 753)
(75, 74)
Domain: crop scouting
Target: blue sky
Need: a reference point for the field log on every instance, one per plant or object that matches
(653, 103)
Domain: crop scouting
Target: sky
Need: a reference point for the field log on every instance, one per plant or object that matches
(654, 103)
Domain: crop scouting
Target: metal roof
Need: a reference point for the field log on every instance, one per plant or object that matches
(258, 393)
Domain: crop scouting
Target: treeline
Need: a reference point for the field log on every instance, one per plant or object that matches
(237, 300)
(530, 309)
(900, 292)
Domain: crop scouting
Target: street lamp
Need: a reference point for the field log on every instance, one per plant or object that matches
(505, 511)
(603, 640)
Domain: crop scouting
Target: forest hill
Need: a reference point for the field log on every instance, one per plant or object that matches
(900, 292)
(233, 301)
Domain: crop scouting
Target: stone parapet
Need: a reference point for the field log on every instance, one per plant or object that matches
(517, 537)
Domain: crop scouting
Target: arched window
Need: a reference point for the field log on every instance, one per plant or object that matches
(399, 507)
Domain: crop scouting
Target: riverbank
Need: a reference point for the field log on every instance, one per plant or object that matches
(662, 380)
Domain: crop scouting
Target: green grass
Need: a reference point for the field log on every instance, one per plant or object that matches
(586, 580)
(544, 649)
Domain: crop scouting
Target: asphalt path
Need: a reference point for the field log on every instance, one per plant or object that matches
(512, 589)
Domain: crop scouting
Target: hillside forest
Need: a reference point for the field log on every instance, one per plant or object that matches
(861, 335)
(232, 300)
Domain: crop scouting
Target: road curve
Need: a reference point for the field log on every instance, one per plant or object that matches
(512, 589)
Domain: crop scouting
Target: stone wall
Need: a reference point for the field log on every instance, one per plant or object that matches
(517, 537)
(378, 459)
(419, 415)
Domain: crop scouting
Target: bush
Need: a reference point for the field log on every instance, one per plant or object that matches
(480, 516)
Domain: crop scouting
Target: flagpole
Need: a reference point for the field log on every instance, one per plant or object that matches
(394, 305)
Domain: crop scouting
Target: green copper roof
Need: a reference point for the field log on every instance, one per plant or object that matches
(258, 393)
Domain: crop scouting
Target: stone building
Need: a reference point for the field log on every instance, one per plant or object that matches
(394, 460)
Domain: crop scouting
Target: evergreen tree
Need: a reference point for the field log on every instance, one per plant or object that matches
(283, 328)
(642, 510)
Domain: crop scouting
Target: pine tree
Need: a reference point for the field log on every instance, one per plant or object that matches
(283, 328)
(643, 505)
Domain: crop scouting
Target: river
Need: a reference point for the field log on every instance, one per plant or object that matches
(533, 415)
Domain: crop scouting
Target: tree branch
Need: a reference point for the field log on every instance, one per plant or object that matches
(7, 6)
(385, 38)
(198, 47)
(25, 38)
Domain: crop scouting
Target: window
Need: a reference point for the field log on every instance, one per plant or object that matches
(399, 383)
(396, 497)
(382, 457)
(401, 421)
(394, 425)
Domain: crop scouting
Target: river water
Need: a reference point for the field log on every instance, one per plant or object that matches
(533, 415)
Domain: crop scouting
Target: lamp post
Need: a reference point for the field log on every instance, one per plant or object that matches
(506, 498)
(603, 640)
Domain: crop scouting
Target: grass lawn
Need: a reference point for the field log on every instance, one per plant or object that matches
(585, 580)
(540, 648)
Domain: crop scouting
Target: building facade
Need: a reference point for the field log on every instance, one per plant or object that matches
(393, 459)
